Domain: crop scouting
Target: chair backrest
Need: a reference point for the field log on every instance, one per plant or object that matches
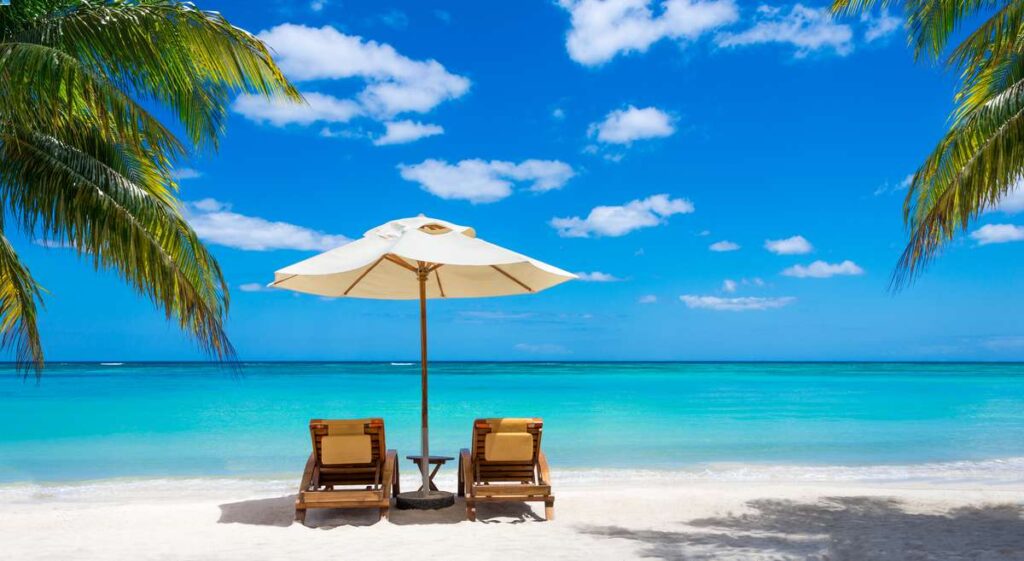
(506, 449)
(349, 451)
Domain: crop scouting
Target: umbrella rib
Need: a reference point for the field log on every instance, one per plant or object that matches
(401, 263)
(366, 272)
(288, 278)
(513, 279)
(437, 276)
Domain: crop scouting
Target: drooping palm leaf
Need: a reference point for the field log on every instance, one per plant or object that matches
(85, 199)
(981, 158)
(84, 164)
(974, 166)
(192, 61)
(18, 296)
(48, 90)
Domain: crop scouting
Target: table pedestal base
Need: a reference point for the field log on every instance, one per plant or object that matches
(419, 500)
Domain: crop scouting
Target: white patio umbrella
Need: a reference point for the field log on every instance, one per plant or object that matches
(419, 258)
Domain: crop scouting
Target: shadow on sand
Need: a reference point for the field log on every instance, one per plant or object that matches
(280, 511)
(838, 529)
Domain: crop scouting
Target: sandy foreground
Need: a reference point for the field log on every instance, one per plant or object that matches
(606, 517)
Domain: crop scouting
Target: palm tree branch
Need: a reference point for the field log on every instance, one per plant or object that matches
(43, 88)
(18, 296)
(71, 196)
(972, 168)
(191, 60)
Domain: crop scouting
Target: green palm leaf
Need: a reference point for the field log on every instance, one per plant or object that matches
(190, 60)
(18, 295)
(981, 158)
(84, 164)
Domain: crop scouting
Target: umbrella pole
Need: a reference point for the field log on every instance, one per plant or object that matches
(424, 441)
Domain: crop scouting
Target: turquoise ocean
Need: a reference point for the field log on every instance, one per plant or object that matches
(92, 421)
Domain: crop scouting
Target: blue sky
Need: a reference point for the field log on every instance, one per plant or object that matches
(621, 140)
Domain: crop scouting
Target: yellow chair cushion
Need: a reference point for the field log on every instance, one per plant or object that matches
(508, 447)
(510, 424)
(346, 449)
(340, 428)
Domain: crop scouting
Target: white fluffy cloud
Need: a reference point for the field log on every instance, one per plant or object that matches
(1013, 201)
(724, 245)
(394, 83)
(480, 181)
(615, 221)
(998, 233)
(403, 132)
(742, 304)
(182, 174)
(729, 285)
(215, 222)
(602, 29)
(880, 25)
(648, 299)
(796, 245)
(623, 126)
(597, 276)
(822, 270)
(253, 287)
(280, 112)
(807, 29)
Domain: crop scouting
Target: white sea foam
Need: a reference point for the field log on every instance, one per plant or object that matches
(1004, 471)
(981, 473)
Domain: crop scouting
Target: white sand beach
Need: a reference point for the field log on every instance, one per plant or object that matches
(661, 515)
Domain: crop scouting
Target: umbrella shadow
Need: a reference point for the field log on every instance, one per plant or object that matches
(837, 529)
(491, 513)
(280, 512)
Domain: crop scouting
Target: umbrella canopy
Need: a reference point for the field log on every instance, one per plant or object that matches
(384, 262)
(419, 258)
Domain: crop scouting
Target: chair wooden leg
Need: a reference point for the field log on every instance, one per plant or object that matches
(383, 513)
(300, 515)
(549, 508)
(470, 511)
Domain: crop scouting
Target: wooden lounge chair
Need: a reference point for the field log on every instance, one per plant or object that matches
(505, 464)
(348, 453)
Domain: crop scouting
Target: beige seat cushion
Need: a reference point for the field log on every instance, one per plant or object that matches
(339, 428)
(346, 449)
(508, 447)
(510, 424)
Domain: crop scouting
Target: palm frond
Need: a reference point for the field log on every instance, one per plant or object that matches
(43, 88)
(999, 35)
(975, 165)
(82, 162)
(93, 198)
(189, 60)
(930, 23)
(18, 296)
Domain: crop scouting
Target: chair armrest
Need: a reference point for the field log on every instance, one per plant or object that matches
(388, 477)
(466, 471)
(544, 472)
(307, 474)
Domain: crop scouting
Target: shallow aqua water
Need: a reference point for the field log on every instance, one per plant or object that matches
(86, 421)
